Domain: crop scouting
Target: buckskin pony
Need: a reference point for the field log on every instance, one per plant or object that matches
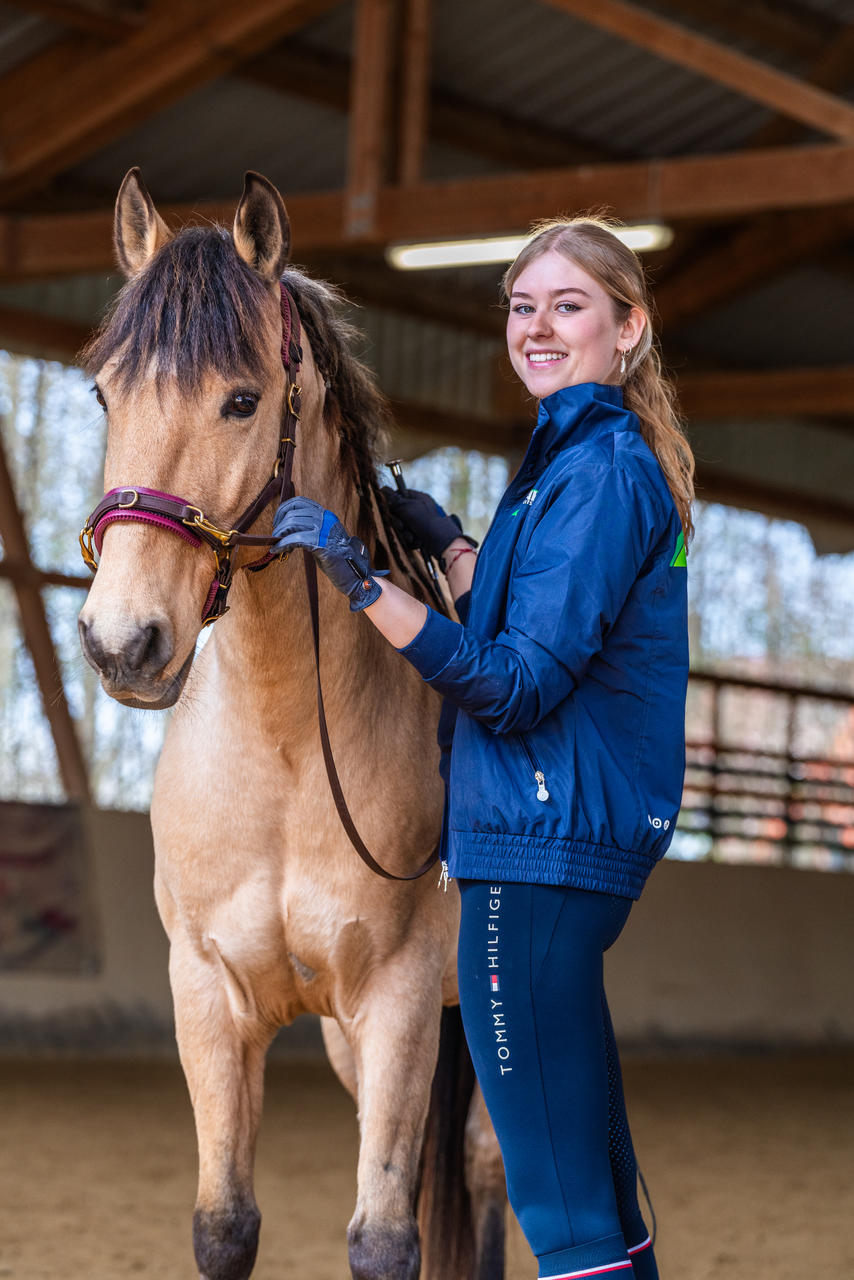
(268, 910)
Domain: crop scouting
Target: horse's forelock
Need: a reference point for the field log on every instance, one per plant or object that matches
(196, 308)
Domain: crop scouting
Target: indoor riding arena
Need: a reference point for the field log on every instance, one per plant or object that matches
(414, 143)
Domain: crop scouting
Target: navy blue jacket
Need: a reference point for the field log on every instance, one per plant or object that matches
(570, 673)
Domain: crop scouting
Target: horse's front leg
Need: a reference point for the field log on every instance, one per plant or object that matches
(222, 1044)
(395, 1041)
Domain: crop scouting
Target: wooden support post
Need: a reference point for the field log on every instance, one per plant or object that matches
(369, 100)
(414, 91)
(72, 766)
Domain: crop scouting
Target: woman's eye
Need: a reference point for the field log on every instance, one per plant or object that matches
(241, 405)
(523, 308)
(568, 307)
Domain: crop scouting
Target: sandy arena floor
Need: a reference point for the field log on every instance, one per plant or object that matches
(750, 1163)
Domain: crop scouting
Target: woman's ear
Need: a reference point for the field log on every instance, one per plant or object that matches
(262, 229)
(632, 328)
(138, 229)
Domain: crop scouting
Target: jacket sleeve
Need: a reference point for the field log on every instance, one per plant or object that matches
(581, 562)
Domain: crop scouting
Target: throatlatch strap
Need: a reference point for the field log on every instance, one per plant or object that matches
(331, 772)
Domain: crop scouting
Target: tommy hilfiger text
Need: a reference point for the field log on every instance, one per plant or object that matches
(499, 1021)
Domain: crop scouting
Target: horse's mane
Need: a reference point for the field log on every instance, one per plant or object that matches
(194, 309)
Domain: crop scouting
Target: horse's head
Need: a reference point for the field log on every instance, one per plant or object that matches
(188, 370)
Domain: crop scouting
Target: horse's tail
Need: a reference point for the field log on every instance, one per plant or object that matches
(444, 1204)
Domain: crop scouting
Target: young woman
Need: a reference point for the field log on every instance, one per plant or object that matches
(567, 675)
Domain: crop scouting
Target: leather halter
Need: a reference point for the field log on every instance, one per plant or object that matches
(150, 506)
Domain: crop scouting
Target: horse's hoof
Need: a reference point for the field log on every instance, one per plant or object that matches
(384, 1253)
(225, 1242)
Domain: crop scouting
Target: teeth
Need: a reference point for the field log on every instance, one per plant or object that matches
(544, 357)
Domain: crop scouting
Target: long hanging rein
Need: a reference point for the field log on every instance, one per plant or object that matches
(150, 506)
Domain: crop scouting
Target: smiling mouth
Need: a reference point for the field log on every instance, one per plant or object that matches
(542, 359)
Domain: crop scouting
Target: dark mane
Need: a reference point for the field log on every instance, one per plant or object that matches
(194, 310)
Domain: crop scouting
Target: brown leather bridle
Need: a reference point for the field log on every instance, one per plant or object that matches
(151, 506)
(188, 521)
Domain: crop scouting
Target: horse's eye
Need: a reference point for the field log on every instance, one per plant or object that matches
(241, 405)
(99, 397)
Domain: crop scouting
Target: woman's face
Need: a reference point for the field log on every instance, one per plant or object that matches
(561, 329)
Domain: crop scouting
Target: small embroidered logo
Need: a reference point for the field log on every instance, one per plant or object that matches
(527, 501)
(658, 824)
(493, 979)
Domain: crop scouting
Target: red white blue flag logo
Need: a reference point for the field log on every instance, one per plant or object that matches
(493, 979)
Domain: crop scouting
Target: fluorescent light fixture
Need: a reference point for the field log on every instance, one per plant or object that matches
(470, 253)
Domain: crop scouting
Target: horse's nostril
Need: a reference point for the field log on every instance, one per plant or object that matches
(144, 651)
(149, 651)
(93, 651)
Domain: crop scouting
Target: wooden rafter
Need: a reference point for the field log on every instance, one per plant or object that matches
(748, 76)
(367, 152)
(804, 34)
(414, 90)
(832, 69)
(769, 393)
(699, 187)
(110, 22)
(324, 78)
(770, 244)
(24, 578)
(97, 100)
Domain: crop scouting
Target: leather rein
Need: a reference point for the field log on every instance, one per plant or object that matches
(151, 506)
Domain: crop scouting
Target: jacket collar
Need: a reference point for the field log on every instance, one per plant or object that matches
(571, 416)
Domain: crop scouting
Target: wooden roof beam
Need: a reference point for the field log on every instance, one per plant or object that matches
(748, 76)
(367, 152)
(733, 185)
(452, 120)
(769, 393)
(802, 33)
(72, 765)
(414, 95)
(108, 21)
(832, 69)
(772, 243)
(96, 100)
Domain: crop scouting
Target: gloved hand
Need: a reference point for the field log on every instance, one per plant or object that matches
(299, 522)
(423, 523)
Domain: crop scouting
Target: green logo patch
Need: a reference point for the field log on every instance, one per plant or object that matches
(680, 558)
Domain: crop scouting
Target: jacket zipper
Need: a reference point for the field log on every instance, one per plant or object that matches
(539, 776)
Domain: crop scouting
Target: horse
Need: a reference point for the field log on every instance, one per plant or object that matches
(268, 912)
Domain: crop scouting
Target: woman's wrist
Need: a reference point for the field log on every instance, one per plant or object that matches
(459, 560)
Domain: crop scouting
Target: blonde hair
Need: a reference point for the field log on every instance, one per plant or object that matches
(590, 242)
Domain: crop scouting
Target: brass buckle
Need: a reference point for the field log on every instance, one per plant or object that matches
(294, 390)
(199, 521)
(134, 500)
(87, 547)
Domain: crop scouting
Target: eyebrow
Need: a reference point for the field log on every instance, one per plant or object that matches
(553, 293)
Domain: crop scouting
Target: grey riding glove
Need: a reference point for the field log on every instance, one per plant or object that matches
(299, 522)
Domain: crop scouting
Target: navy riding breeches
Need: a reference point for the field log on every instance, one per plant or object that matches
(540, 1035)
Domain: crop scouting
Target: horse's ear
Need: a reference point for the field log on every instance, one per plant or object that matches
(138, 229)
(262, 229)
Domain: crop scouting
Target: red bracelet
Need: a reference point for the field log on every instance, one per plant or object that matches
(463, 551)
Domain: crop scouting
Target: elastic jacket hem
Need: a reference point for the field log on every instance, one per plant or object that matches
(522, 859)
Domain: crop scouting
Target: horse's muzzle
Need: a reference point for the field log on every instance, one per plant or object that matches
(132, 669)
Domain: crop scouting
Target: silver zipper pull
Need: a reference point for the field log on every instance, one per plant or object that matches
(542, 794)
(443, 876)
